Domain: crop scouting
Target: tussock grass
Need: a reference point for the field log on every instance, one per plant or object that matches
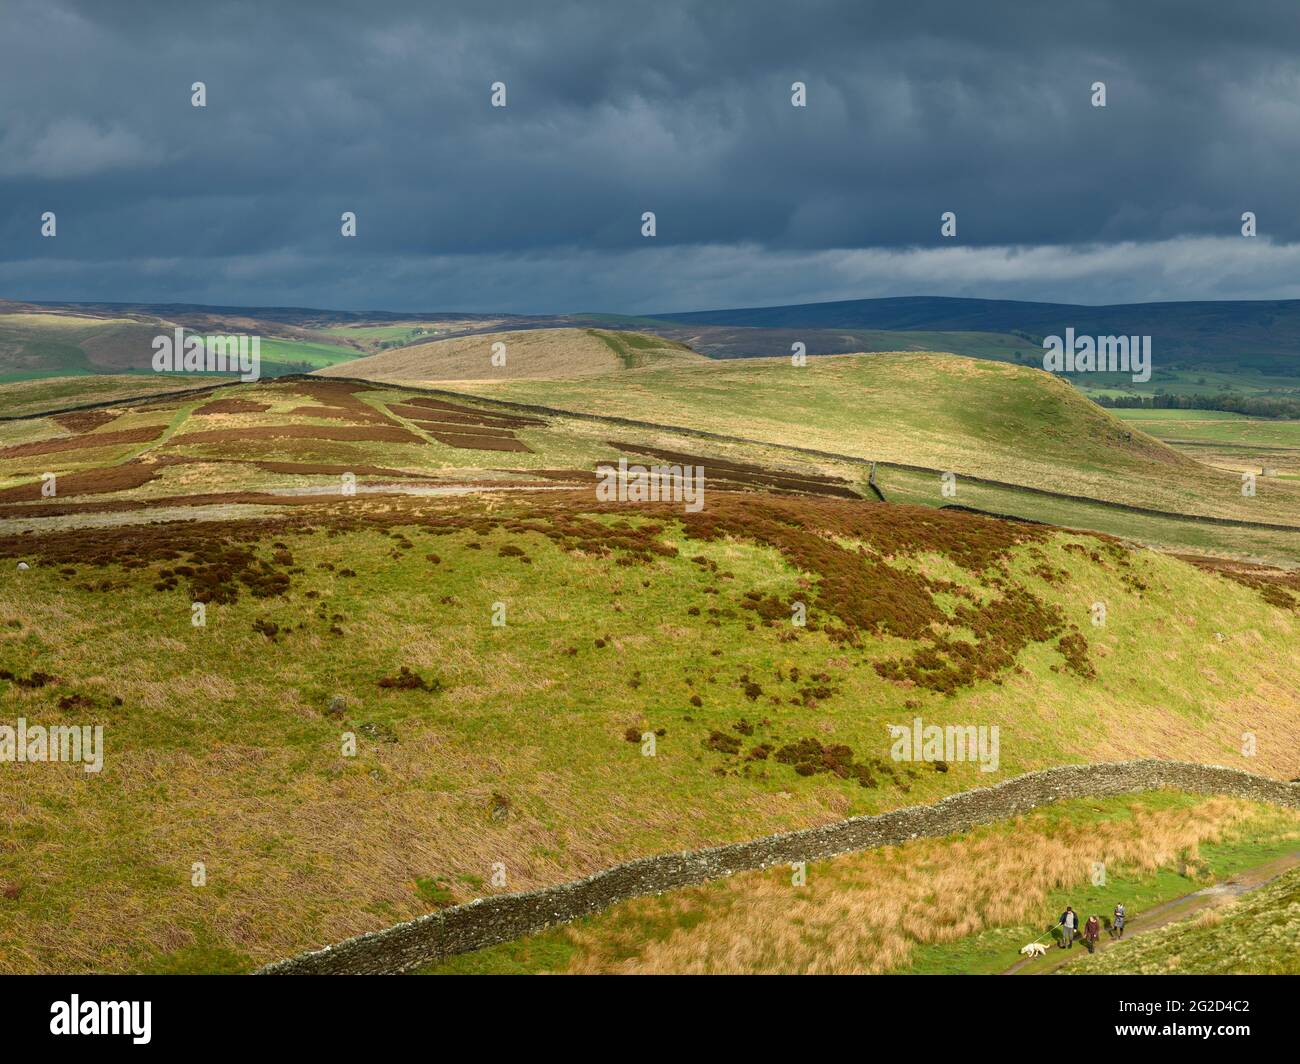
(874, 912)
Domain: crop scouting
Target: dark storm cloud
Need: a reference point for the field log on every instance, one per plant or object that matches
(614, 109)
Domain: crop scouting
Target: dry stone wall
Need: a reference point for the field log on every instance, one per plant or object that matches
(499, 919)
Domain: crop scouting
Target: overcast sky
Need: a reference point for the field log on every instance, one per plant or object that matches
(682, 108)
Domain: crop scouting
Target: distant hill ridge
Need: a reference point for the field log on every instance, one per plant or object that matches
(1263, 334)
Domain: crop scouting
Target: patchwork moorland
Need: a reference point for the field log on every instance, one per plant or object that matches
(948, 413)
(430, 571)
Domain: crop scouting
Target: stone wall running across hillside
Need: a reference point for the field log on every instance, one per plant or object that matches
(508, 916)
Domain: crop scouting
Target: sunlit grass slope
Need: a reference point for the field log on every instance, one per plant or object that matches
(985, 419)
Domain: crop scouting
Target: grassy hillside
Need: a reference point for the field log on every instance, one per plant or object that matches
(724, 342)
(1254, 935)
(576, 447)
(529, 355)
(979, 418)
(962, 904)
(520, 743)
(32, 396)
(35, 344)
(481, 744)
(372, 337)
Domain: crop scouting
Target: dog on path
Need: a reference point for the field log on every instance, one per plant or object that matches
(1034, 949)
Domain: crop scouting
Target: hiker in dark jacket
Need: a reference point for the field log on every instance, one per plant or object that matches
(1091, 932)
(1069, 927)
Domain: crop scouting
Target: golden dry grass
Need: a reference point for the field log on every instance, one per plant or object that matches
(867, 913)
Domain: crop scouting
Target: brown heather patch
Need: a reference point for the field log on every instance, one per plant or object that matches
(1074, 648)
(216, 498)
(1084, 552)
(298, 468)
(406, 680)
(320, 469)
(213, 561)
(856, 590)
(462, 430)
(1277, 587)
(810, 757)
(90, 482)
(805, 756)
(85, 420)
(34, 681)
(466, 415)
(465, 427)
(867, 596)
(84, 441)
(473, 442)
(349, 433)
(337, 399)
(232, 406)
(572, 476)
(334, 395)
(336, 413)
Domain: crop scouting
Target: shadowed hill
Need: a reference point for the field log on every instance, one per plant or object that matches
(1264, 334)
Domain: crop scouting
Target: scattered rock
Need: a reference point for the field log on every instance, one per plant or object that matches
(379, 731)
(498, 806)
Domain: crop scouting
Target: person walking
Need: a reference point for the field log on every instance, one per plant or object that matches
(1117, 921)
(1091, 932)
(1069, 926)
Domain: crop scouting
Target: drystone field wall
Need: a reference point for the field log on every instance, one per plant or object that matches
(488, 921)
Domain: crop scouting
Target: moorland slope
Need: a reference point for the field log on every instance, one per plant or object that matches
(943, 412)
(498, 640)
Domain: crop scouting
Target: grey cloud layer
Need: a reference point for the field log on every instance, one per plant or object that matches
(681, 108)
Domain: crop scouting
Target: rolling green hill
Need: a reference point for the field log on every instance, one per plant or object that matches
(36, 344)
(328, 615)
(977, 418)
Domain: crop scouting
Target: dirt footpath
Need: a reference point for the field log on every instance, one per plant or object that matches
(1170, 912)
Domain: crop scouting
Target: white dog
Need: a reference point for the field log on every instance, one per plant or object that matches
(1035, 949)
